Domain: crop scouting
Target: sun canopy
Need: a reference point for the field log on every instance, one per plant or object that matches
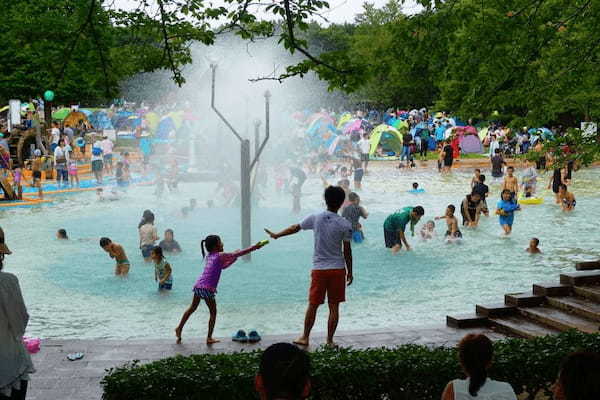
(61, 114)
(74, 118)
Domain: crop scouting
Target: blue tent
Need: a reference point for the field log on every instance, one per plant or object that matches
(165, 126)
(100, 120)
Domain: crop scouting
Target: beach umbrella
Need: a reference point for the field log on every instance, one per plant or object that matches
(471, 130)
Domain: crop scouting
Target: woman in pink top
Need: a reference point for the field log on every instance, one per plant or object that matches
(206, 286)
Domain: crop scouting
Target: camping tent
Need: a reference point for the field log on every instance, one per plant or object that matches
(74, 117)
(100, 120)
(61, 114)
(388, 137)
(470, 144)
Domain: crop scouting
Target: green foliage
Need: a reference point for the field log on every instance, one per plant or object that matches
(405, 372)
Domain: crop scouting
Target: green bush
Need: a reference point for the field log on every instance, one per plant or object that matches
(405, 372)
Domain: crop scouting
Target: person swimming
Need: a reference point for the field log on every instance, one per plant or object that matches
(61, 234)
(416, 189)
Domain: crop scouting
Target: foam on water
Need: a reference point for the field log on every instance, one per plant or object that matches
(71, 292)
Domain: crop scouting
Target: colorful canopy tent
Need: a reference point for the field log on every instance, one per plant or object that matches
(388, 137)
(100, 120)
(483, 133)
(351, 126)
(61, 114)
(74, 118)
(165, 127)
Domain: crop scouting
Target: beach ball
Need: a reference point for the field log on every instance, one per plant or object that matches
(48, 95)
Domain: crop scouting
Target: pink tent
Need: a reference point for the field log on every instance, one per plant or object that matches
(352, 126)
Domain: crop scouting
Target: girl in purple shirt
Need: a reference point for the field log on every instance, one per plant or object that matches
(206, 286)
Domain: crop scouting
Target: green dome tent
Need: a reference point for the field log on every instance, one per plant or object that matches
(389, 138)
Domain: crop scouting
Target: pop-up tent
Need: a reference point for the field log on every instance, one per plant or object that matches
(470, 144)
(388, 137)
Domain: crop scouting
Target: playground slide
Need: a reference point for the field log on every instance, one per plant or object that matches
(7, 188)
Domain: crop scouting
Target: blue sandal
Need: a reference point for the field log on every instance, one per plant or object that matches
(240, 336)
(74, 356)
(254, 337)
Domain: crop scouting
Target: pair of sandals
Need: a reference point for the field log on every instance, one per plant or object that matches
(241, 337)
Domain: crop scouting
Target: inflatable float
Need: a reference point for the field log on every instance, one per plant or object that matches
(530, 200)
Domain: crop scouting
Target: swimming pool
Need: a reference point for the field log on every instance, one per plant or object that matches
(71, 292)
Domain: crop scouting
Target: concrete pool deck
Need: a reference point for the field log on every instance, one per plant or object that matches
(57, 378)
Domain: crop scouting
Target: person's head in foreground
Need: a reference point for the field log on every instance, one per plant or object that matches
(506, 195)
(354, 198)
(578, 377)
(510, 171)
(475, 355)
(417, 213)
(415, 185)
(105, 243)
(62, 234)
(284, 373)
(481, 178)
(534, 243)
(450, 210)
(334, 198)
(212, 243)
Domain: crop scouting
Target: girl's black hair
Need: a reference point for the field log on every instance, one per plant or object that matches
(285, 370)
(158, 251)
(209, 243)
(63, 234)
(475, 353)
(579, 376)
(147, 217)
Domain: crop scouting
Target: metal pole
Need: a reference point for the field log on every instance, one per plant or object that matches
(256, 137)
(245, 192)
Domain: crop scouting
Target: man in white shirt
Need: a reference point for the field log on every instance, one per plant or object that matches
(107, 149)
(364, 146)
(493, 146)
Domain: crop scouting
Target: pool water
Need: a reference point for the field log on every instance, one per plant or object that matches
(71, 292)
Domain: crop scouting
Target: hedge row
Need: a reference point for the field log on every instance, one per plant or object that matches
(404, 372)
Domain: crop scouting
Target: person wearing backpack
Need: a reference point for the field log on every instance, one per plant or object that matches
(97, 161)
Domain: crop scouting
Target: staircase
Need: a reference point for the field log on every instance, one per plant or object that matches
(550, 308)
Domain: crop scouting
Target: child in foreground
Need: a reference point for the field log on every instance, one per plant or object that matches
(163, 274)
(534, 246)
(117, 252)
(206, 286)
(506, 208)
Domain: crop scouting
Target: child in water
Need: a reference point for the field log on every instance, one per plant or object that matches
(416, 189)
(61, 234)
(452, 222)
(206, 286)
(353, 213)
(428, 230)
(73, 173)
(506, 208)
(117, 252)
(534, 246)
(163, 274)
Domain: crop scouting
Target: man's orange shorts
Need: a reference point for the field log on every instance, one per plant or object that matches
(327, 281)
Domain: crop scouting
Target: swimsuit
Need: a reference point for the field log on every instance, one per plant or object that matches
(569, 203)
(456, 234)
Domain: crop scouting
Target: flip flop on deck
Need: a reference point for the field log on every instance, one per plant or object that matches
(240, 337)
(254, 337)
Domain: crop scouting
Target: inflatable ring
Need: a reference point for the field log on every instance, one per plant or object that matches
(531, 200)
(80, 142)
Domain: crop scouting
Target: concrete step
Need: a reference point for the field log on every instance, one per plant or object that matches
(588, 292)
(580, 278)
(495, 310)
(466, 321)
(576, 305)
(559, 319)
(587, 265)
(521, 326)
(523, 299)
(552, 289)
